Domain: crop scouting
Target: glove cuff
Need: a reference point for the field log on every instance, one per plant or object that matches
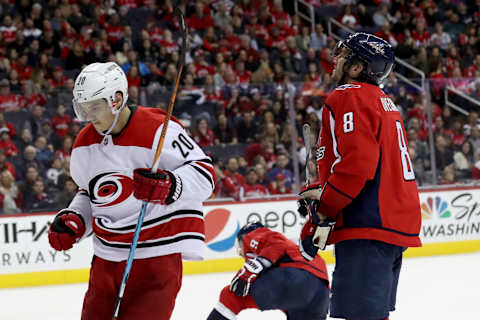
(176, 188)
(257, 265)
(65, 212)
(70, 210)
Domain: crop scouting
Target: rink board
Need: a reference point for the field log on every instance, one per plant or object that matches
(451, 224)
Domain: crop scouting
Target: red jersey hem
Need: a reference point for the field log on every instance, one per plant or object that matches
(375, 234)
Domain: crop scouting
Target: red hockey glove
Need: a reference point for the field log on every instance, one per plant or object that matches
(66, 229)
(162, 187)
(244, 278)
(315, 232)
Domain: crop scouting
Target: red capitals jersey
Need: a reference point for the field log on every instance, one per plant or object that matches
(275, 247)
(365, 169)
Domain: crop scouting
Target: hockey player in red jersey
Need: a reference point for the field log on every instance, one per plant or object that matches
(367, 184)
(110, 163)
(274, 276)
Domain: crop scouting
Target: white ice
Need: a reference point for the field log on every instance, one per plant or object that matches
(437, 288)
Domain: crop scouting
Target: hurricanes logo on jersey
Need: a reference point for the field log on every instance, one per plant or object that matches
(109, 188)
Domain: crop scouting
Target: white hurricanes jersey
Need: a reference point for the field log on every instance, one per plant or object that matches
(103, 169)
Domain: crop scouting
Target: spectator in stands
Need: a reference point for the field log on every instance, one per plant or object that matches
(364, 17)
(64, 94)
(63, 199)
(458, 134)
(8, 100)
(382, 15)
(58, 79)
(233, 180)
(348, 18)
(439, 37)
(30, 175)
(474, 137)
(52, 174)
(224, 132)
(200, 20)
(318, 38)
(464, 160)
(28, 159)
(5, 164)
(34, 122)
(10, 196)
(24, 139)
(278, 186)
(448, 176)
(39, 199)
(472, 121)
(251, 187)
(261, 171)
(270, 132)
(61, 121)
(453, 25)
(281, 166)
(247, 128)
(44, 152)
(6, 143)
(203, 135)
(443, 154)
(4, 124)
(418, 161)
(76, 58)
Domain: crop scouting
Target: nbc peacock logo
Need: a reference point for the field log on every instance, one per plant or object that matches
(435, 207)
(220, 230)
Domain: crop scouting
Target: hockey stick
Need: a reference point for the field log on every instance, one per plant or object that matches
(155, 166)
(308, 147)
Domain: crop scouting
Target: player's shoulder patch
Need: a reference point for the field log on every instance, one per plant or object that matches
(348, 86)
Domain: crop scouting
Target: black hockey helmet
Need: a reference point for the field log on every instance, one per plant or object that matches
(375, 53)
(249, 227)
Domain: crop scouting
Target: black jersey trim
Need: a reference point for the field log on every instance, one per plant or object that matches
(153, 244)
(153, 221)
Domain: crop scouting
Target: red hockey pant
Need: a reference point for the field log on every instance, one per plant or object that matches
(149, 295)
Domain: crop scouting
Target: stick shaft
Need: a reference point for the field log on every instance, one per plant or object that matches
(308, 148)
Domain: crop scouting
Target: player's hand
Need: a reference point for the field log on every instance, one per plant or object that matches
(315, 232)
(66, 229)
(314, 191)
(162, 187)
(245, 277)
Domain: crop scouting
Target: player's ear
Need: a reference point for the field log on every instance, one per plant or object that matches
(118, 100)
(355, 69)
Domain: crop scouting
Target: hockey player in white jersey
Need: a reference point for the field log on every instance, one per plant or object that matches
(110, 164)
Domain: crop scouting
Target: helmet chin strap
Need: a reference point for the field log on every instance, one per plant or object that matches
(115, 120)
(109, 130)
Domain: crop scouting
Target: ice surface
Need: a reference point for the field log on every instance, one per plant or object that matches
(440, 288)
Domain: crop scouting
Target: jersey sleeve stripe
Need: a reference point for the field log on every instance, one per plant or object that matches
(329, 109)
(338, 156)
(203, 173)
(206, 160)
(209, 168)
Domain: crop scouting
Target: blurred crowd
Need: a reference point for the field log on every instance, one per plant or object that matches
(249, 63)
